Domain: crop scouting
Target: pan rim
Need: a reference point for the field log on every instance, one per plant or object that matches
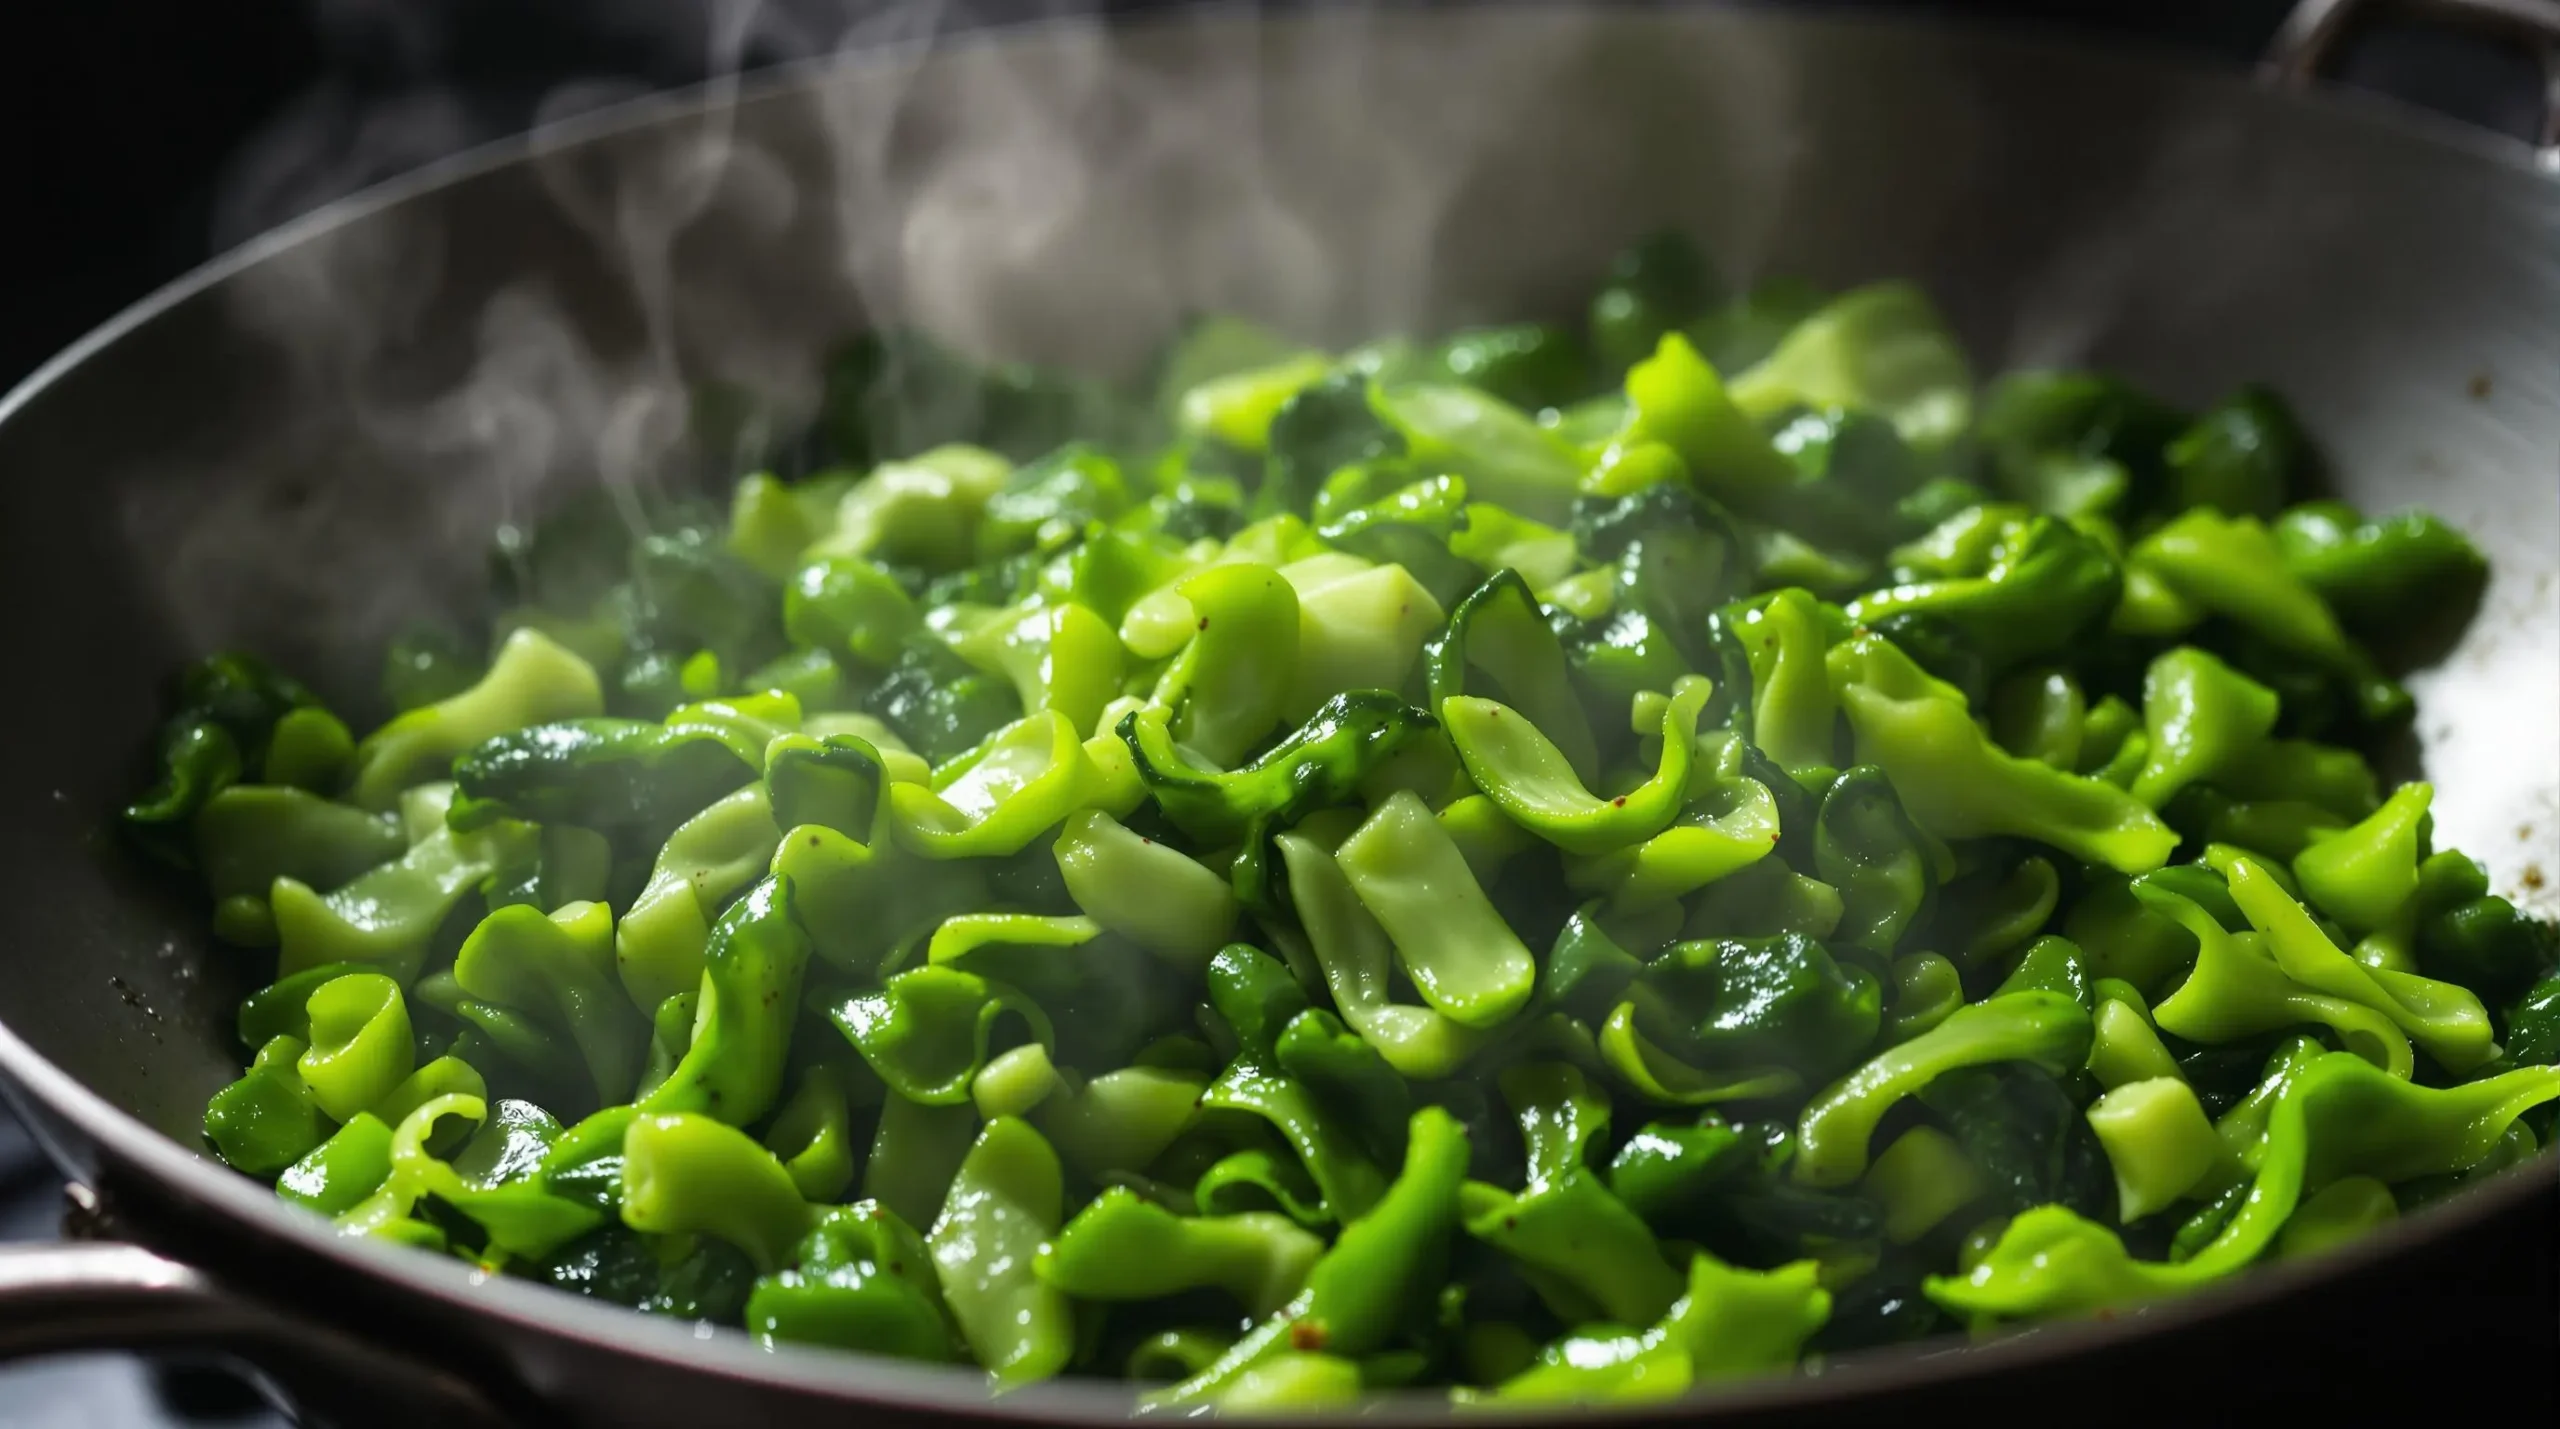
(887, 1383)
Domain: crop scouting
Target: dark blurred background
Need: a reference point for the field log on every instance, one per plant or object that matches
(146, 136)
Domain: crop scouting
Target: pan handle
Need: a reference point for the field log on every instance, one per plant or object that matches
(2308, 45)
(72, 1296)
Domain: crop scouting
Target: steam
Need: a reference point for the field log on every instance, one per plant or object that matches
(1069, 199)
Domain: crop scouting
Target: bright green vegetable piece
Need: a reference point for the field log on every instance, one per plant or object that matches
(2041, 714)
(268, 1119)
(2124, 1048)
(1318, 765)
(1360, 627)
(1865, 846)
(340, 1172)
(2047, 587)
(2231, 566)
(1496, 540)
(1105, 996)
(771, 523)
(2125, 940)
(1355, 954)
(2050, 964)
(1007, 1200)
(837, 782)
(1925, 989)
(385, 918)
(385, 1213)
(921, 511)
(1463, 958)
(2237, 989)
(1122, 1246)
(522, 1179)
(533, 679)
(1881, 349)
(360, 1043)
(1564, 1223)
(1729, 824)
(1237, 407)
(1150, 893)
(1731, 1322)
(1177, 1354)
(1505, 456)
(2158, 1140)
(688, 1174)
(1758, 1002)
(2288, 972)
(2046, 1028)
(2201, 718)
(1407, 525)
(1047, 503)
(1059, 657)
(1498, 634)
(446, 1076)
(2376, 572)
(2365, 875)
(602, 773)
(1656, 1076)
(1014, 1082)
(928, 1031)
(1256, 997)
(1534, 784)
(863, 902)
(1350, 1075)
(1792, 709)
(659, 944)
(1921, 1179)
(914, 1152)
(1122, 1121)
(1292, 1382)
(999, 797)
(560, 969)
(1956, 783)
(500, 1178)
(229, 707)
(860, 1280)
(1376, 1277)
(748, 998)
(568, 865)
(1663, 1169)
(1659, 284)
(748, 724)
(1678, 401)
(1211, 346)
(308, 749)
(2446, 1019)
(1485, 835)
(812, 1136)
(248, 835)
(848, 605)
(2335, 1214)
(2340, 1117)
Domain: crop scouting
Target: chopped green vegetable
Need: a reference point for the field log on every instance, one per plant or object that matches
(1564, 864)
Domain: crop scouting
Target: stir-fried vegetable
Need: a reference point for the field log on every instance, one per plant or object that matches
(1565, 865)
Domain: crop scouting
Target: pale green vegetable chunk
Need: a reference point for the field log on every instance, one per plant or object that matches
(1463, 958)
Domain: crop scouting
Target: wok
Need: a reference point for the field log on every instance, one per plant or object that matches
(308, 440)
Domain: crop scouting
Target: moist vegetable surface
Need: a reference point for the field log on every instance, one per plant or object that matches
(1562, 862)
